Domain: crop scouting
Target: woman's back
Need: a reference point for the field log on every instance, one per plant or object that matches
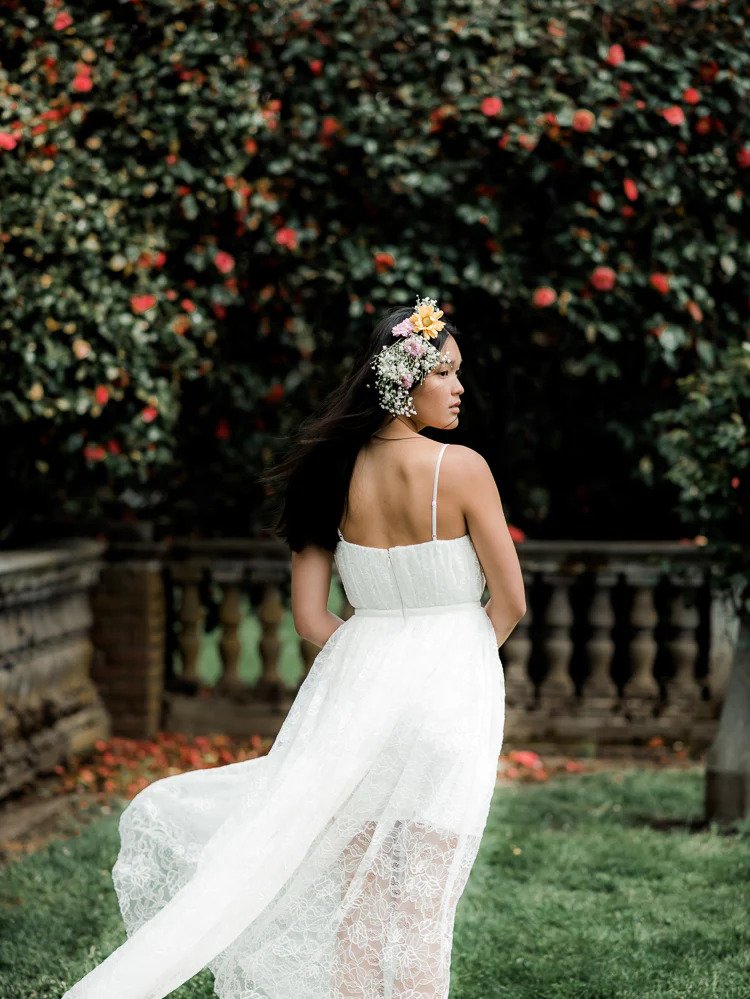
(391, 492)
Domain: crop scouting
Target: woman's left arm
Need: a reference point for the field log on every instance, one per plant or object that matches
(311, 584)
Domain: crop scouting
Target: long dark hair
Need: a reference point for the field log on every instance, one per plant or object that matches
(312, 479)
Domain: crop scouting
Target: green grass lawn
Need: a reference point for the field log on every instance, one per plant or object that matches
(575, 893)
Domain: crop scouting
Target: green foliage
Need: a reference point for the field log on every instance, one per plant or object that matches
(705, 440)
(206, 204)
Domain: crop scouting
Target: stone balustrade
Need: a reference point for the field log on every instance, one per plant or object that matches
(621, 642)
(49, 707)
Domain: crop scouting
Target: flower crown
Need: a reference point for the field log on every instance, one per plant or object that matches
(400, 366)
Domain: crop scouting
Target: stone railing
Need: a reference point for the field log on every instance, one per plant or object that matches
(622, 641)
(49, 707)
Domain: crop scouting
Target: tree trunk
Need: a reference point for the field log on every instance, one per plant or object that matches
(727, 790)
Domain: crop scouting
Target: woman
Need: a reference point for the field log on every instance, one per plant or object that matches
(331, 868)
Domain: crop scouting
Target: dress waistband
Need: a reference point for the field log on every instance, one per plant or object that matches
(409, 611)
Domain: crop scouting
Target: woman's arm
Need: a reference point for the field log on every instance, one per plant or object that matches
(480, 501)
(311, 585)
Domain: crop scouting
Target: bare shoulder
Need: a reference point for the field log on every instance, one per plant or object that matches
(466, 464)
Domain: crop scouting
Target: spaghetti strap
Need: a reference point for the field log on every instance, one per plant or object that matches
(434, 492)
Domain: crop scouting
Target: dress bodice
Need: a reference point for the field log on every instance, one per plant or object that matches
(432, 573)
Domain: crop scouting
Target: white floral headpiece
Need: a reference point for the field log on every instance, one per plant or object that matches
(401, 365)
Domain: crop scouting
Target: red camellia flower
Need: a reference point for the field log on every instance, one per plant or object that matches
(583, 121)
(113, 447)
(659, 281)
(330, 126)
(691, 95)
(708, 71)
(62, 21)
(492, 106)
(8, 141)
(188, 305)
(101, 394)
(286, 236)
(516, 533)
(615, 55)
(603, 278)
(316, 66)
(384, 261)
(223, 430)
(544, 297)
(142, 303)
(674, 115)
(82, 83)
(630, 188)
(735, 483)
(743, 157)
(149, 414)
(94, 452)
(275, 393)
(224, 261)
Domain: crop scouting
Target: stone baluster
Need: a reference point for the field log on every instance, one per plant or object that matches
(641, 691)
(682, 690)
(599, 692)
(270, 614)
(557, 689)
(228, 575)
(191, 616)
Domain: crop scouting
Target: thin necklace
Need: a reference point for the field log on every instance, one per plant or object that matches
(408, 438)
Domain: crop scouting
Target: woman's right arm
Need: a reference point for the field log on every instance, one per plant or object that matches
(483, 510)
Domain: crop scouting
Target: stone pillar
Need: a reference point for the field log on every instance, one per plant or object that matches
(129, 637)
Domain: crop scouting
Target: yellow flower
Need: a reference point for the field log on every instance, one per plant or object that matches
(426, 320)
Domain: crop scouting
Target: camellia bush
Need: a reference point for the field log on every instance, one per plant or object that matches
(205, 205)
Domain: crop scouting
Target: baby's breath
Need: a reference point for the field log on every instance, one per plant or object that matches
(401, 366)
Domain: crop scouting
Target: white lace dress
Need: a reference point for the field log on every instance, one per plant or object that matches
(331, 868)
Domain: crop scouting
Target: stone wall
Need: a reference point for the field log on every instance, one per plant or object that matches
(49, 707)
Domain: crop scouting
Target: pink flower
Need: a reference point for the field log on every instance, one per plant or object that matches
(630, 188)
(101, 394)
(62, 21)
(616, 55)
(149, 414)
(691, 95)
(8, 141)
(544, 297)
(492, 106)
(603, 278)
(224, 261)
(414, 346)
(674, 115)
(404, 328)
(407, 381)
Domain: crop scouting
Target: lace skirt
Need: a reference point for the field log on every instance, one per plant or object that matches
(331, 868)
